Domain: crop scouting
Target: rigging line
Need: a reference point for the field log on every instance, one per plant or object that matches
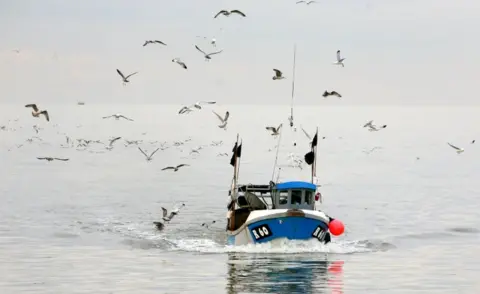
(293, 80)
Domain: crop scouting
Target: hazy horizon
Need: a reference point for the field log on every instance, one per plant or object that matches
(408, 53)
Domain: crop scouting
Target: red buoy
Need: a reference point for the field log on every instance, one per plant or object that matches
(336, 227)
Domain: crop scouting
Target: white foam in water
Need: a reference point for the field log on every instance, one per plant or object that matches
(275, 246)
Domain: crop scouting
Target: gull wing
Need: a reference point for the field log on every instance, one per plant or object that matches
(213, 53)
(238, 12)
(200, 50)
(41, 158)
(453, 146)
(34, 106)
(126, 118)
(107, 116)
(277, 73)
(168, 167)
(142, 151)
(120, 73)
(131, 74)
(153, 152)
(271, 129)
(113, 140)
(160, 42)
(62, 159)
(336, 94)
(164, 212)
(220, 12)
(301, 2)
(46, 115)
(207, 102)
(180, 165)
(338, 55)
(368, 124)
(218, 115)
(306, 134)
(227, 115)
(279, 127)
(146, 43)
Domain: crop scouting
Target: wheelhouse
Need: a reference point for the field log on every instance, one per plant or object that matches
(294, 195)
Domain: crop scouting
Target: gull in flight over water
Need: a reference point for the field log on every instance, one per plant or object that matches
(175, 168)
(308, 3)
(181, 63)
(110, 145)
(154, 42)
(118, 116)
(198, 105)
(36, 112)
(173, 213)
(275, 131)
(125, 78)
(278, 75)
(224, 120)
(148, 157)
(228, 13)
(207, 56)
(339, 59)
(52, 158)
(333, 93)
(372, 127)
(458, 149)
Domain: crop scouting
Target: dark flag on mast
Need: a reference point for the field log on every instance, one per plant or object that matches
(237, 153)
(310, 156)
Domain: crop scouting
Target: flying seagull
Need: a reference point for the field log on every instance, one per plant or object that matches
(275, 131)
(52, 158)
(224, 120)
(278, 75)
(110, 145)
(153, 42)
(228, 13)
(175, 168)
(458, 149)
(207, 56)
(339, 59)
(372, 127)
(36, 112)
(173, 213)
(185, 109)
(118, 116)
(333, 93)
(308, 3)
(181, 63)
(125, 79)
(198, 104)
(147, 156)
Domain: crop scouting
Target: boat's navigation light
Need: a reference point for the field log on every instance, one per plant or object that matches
(336, 227)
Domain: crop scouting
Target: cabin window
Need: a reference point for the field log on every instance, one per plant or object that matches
(297, 197)
(308, 197)
(283, 197)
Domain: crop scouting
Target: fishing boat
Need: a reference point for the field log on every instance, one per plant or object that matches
(286, 210)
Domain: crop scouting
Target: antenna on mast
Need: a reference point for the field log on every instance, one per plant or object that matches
(276, 156)
(293, 84)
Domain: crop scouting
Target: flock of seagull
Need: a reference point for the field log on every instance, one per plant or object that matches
(295, 161)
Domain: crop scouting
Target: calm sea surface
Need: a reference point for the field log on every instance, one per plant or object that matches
(85, 225)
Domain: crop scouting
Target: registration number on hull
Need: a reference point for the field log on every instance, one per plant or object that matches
(261, 232)
(319, 233)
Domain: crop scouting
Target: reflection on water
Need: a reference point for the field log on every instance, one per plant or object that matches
(305, 273)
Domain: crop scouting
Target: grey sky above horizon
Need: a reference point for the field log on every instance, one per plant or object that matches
(397, 52)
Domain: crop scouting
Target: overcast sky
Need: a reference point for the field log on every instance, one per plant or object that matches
(397, 52)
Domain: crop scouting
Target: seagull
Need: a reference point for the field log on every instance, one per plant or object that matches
(175, 168)
(181, 63)
(372, 127)
(224, 120)
(207, 56)
(308, 3)
(117, 116)
(278, 75)
(275, 131)
(459, 150)
(110, 145)
(125, 79)
(339, 59)
(333, 93)
(36, 112)
(199, 103)
(228, 13)
(207, 225)
(151, 155)
(173, 213)
(472, 142)
(52, 158)
(185, 109)
(153, 42)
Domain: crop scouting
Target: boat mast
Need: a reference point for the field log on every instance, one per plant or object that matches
(314, 165)
(276, 156)
(293, 84)
(233, 193)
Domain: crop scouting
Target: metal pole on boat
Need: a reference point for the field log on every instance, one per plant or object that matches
(314, 165)
(233, 194)
(276, 156)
